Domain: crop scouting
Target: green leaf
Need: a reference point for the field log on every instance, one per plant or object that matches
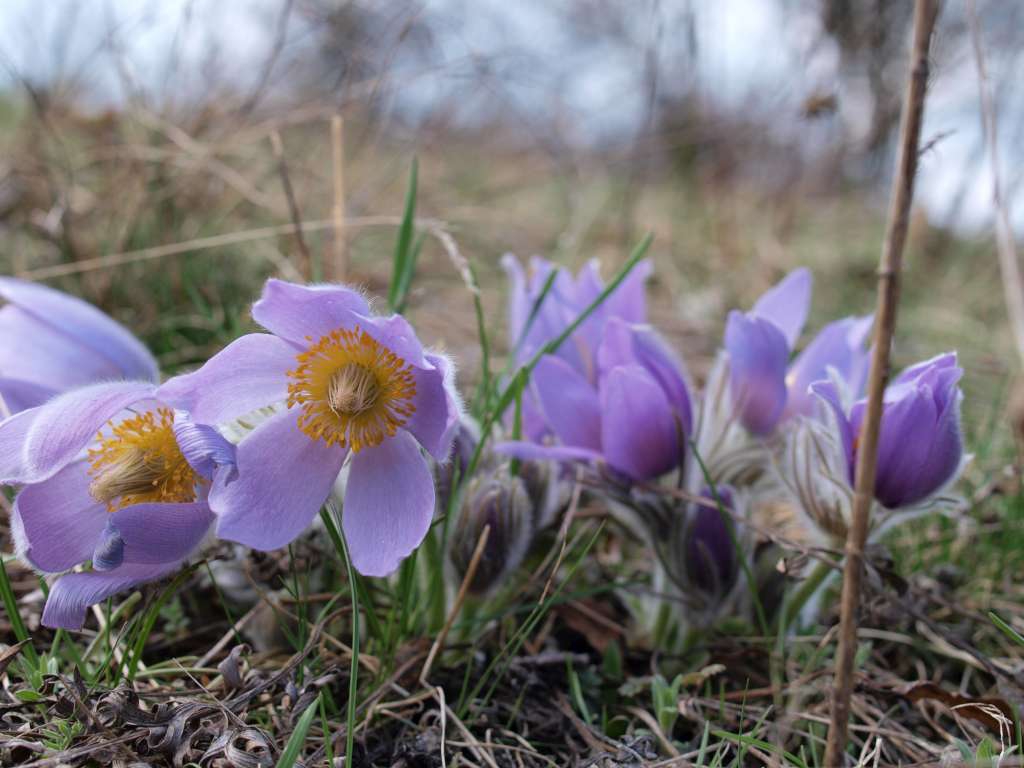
(405, 253)
(1009, 631)
(28, 696)
(294, 746)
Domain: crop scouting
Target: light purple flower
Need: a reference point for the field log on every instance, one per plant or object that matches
(51, 342)
(920, 448)
(635, 418)
(113, 476)
(346, 386)
(764, 387)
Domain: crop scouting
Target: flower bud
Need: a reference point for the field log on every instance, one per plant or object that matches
(453, 472)
(501, 502)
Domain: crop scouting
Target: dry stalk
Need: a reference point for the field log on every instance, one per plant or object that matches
(306, 266)
(337, 268)
(925, 13)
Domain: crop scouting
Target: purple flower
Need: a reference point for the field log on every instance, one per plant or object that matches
(709, 554)
(52, 342)
(345, 386)
(564, 302)
(920, 447)
(113, 476)
(637, 416)
(764, 387)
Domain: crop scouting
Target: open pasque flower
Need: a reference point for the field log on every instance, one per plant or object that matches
(346, 385)
(51, 342)
(113, 476)
(635, 417)
(920, 448)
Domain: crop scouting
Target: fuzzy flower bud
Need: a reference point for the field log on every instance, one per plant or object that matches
(500, 501)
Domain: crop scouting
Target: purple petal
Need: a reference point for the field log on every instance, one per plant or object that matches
(787, 304)
(757, 371)
(64, 426)
(57, 522)
(85, 325)
(250, 373)
(946, 360)
(829, 395)
(13, 432)
(17, 395)
(521, 449)
(569, 403)
(436, 418)
(624, 344)
(640, 433)
(304, 313)
(627, 302)
(203, 447)
(161, 533)
(284, 478)
(389, 502)
(518, 303)
(75, 592)
(839, 345)
(393, 332)
(710, 554)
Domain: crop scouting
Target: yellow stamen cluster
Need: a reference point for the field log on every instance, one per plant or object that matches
(140, 462)
(353, 391)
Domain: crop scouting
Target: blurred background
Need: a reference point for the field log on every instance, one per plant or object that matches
(141, 165)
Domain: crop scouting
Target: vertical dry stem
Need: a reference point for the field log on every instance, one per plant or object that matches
(925, 12)
(337, 268)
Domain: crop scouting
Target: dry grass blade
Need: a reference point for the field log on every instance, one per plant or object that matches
(925, 13)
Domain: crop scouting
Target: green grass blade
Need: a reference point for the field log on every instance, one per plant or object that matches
(405, 254)
(290, 755)
(11, 606)
(1009, 631)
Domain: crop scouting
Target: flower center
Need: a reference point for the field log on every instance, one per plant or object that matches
(352, 390)
(140, 462)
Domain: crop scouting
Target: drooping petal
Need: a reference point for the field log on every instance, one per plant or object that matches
(757, 371)
(438, 408)
(57, 522)
(18, 395)
(284, 478)
(249, 373)
(840, 346)
(161, 533)
(389, 503)
(304, 313)
(63, 427)
(640, 433)
(75, 592)
(787, 304)
(570, 404)
(203, 447)
(83, 324)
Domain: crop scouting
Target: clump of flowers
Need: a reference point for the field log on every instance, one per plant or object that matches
(345, 386)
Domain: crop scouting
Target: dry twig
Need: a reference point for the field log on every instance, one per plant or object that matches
(925, 13)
